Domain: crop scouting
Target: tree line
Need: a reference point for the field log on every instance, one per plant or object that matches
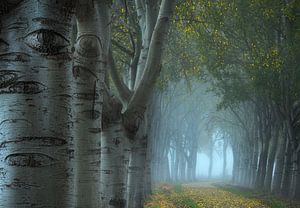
(248, 51)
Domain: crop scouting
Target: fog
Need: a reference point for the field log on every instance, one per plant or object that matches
(192, 140)
(203, 165)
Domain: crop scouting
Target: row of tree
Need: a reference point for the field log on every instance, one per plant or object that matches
(250, 54)
(181, 129)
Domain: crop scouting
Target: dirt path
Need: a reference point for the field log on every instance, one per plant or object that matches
(202, 184)
(209, 194)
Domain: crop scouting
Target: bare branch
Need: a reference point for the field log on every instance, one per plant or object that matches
(123, 90)
(153, 64)
(122, 48)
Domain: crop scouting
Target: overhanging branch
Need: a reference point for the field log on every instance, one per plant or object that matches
(153, 64)
(122, 89)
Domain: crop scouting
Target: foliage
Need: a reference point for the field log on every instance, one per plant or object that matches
(178, 188)
(203, 197)
(245, 48)
(270, 200)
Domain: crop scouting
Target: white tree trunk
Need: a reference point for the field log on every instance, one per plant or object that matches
(35, 140)
(154, 29)
(88, 73)
(136, 170)
(114, 162)
(147, 14)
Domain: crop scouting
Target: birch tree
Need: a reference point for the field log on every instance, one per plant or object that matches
(123, 130)
(93, 36)
(36, 144)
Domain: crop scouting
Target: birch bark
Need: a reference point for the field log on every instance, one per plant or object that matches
(90, 64)
(134, 103)
(36, 145)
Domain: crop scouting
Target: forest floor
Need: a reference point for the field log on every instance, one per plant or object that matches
(213, 195)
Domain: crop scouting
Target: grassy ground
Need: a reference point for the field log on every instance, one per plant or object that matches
(268, 199)
(209, 196)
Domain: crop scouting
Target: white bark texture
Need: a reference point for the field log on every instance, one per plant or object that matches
(36, 145)
(154, 29)
(136, 170)
(147, 12)
(135, 112)
(89, 73)
(114, 162)
(152, 67)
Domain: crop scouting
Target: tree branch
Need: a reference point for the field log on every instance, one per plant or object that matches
(122, 48)
(123, 91)
(153, 64)
(135, 61)
(147, 24)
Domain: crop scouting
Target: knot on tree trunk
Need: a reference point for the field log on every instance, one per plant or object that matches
(88, 46)
(111, 111)
(132, 119)
(117, 203)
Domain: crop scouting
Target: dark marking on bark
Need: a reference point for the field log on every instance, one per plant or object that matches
(7, 78)
(17, 25)
(86, 96)
(68, 152)
(50, 22)
(91, 114)
(92, 73)
(88, 46)
(32, 160)
(94, 102)
(134, 168)
(117, 203)
(95, 151)
(66, 56)
(38, 68)
(117, 142)
(71, 153)
(105, 121)
(40, 141)
(113, 113)
(24, 87)
(95, 130)
(63, 95)
(132, 121)
(3, 45)
(106, 150)
(46, 42)
(96, 163)
(107, 171)
(144, 141)
(126, 161)
(164, 19)
(127, 149)
(15, 57)
(8, 5)
(67, 7)
(76, 71)
(15, 121)
(21, 185)
(3, 173)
